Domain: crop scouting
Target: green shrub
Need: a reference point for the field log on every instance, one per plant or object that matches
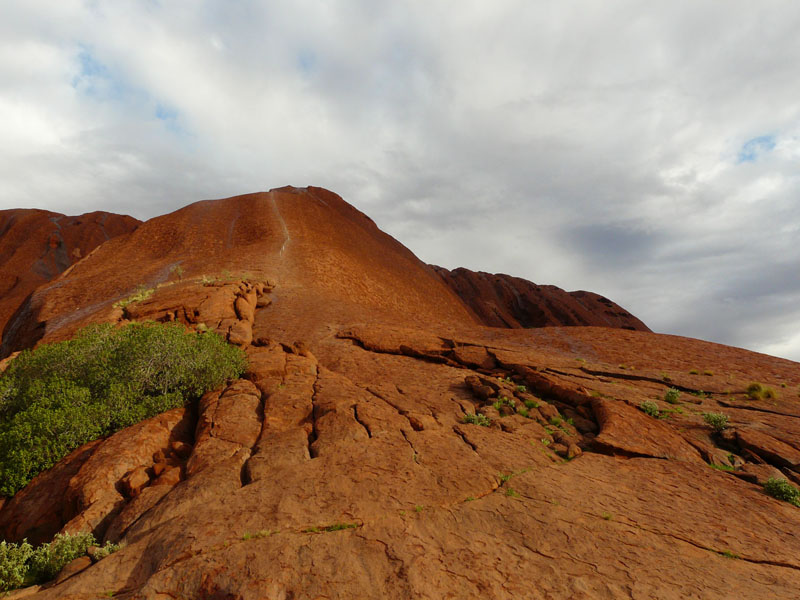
(101, 552)
(13, 564)
(672, 396)
(531, 404)
(649, 408)
(717, 421)
(782, 490)
(756, 391)
(48, 559)
(477, 419)
(60, 396)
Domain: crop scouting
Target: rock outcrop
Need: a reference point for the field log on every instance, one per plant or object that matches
(36, 246)
(504, 301)
(385, 444)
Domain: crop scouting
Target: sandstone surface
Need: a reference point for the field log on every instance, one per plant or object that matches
(500, 300)
(36, 246)
(342, 464)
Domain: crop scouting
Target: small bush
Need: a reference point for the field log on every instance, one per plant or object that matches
(531, 404)
(13, 564)
(672, 396)
(48, 559)
(142, 293)
(649, 408)
(756, 391)
(524, 412)
(476, 419)
(693, 372)
(782, 490)
(59, 396)
(717, 421)
(108, 548)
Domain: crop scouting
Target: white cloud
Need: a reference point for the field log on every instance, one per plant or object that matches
(589, 145)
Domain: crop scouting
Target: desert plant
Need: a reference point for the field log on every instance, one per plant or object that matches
(782, 490)
(649, 407)
(531, 404)
(48, 559)
(142, 293)
(62, 395)
(672, 396)
(717, 421)
(476, 419)
(693, 372)
(100, 552)
(177, 270)
(13, 564)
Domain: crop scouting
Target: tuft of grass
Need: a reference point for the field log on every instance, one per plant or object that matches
(512, 493)
(177, 270)
(524, 412)
(756, 391)
(649, 407)
(693, 372)
(556, 421)
(728, 554)
(469, 499)
(717, 421)
(531, 404)
(476, 419)
(607, 516)
(708, 373)
(726, 468)
(782, 490)
(419, 508)
(254, 535)
(142, 293)
(523, 389)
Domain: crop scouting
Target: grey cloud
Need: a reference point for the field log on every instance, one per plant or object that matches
(590, 145)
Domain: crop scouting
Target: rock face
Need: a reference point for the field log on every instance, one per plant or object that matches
(505, 301)
(36, 246)
(384, 444)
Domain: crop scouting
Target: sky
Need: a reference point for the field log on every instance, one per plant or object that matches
(646, 151)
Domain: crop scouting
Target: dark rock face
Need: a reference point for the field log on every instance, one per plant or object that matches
(36, 246)
(504, 301)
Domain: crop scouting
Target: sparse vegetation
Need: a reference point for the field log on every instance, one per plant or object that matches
(177, 270)
(21, 565)
(503, 401)
(726, 468)
(756, 391)
(512, 493)
(254, 535)
(62, 395)
(142, 293)
(607, 516)
(476, 419)
(523, 389)
(717, 421)
(693, 372)
(649, 407)
(782, 490)
(524, 412)
(531, 404)
(708, 373)
(728, 554)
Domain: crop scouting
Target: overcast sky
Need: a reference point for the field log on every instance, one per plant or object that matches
(647, 151)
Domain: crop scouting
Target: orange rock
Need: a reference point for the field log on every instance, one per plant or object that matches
(133, 482)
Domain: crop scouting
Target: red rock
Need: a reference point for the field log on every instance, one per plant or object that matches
(133, 482)
(628, 430)
(767, 447)
(504, 301)
(37, 245)
(352, 414)
(72, 568)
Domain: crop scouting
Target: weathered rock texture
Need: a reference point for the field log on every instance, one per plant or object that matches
(504, 301)
(341, 465)
(36, 246)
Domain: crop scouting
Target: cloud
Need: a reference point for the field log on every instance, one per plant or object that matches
(648, 153)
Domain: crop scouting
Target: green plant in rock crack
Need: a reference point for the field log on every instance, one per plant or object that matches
(717, 421)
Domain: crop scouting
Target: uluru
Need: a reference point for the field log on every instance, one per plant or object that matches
(399, 430)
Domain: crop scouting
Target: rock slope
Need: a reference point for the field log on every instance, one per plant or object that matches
(505, 301)
(341, 465)
(36, 246)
